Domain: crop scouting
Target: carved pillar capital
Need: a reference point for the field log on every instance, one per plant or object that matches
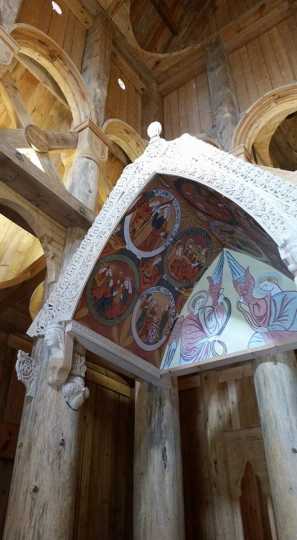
(59, 365)
(90, 143)
(74, 389)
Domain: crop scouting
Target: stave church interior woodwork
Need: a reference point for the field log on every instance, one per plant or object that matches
(148, 269)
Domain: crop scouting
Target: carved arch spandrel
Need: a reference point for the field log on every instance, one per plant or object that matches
(45, 51)
(266, 198)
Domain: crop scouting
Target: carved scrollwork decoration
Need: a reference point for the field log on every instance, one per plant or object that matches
(26, 371)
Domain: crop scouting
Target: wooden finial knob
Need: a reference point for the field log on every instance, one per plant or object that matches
(154, 130)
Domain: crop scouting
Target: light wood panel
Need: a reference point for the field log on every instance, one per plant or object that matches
(124, 104)
(187, 109)
(104, 496)
(265, 63)
(220, 434)
(66, 29)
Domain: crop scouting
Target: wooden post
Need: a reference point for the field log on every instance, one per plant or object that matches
(9, 10)
(84, 176)
(42, 494)
(216, 423)
(43, 487)
(276, 388)
(158, 484)
(222, 95)
(97, 63)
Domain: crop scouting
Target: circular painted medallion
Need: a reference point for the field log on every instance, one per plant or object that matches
(208, 203)
(187, 257)
(234, 237)
(152, 223)
(153, 317)
(111, 291)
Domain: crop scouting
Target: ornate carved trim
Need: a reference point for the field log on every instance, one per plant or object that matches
(26, 372)
(268, 199)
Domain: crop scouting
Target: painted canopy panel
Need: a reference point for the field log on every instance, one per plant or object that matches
(159, 251)
(239, 303)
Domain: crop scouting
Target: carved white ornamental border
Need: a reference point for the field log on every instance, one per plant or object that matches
(271, 201)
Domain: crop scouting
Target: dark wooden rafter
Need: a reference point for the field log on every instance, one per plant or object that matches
(165, 16)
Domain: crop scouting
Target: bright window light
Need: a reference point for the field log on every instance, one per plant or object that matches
(57, 8)
(121, 84)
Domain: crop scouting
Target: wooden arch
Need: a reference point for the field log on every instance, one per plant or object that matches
(41, 48)
(261, 120)
(125, 136)
(267, 199)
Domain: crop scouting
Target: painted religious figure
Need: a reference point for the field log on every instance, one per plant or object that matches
(197, 333)
(270, 311)
(187, 257)
(112, 288)
(152, 223)
(153, 317)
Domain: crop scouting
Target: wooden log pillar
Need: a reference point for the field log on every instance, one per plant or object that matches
(43, 487)
(9, 10)
(222, 95)
(84, 176)
(276, 388)
(217, 422)
(158, 485)
(42, 494)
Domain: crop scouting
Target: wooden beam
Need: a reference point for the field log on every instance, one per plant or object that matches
(41, 190)
(82, 14)
(164, 16)
(98, 131)
(229, 359)
(119, 359)
(111, 384)
(44, 140)
(16, 342)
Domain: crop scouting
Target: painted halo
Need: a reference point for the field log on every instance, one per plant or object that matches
(112, 289)
(187, 257)
(153, 317)
(207, 203)
(152, 223)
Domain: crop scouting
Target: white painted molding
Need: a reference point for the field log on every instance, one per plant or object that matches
(265, 197)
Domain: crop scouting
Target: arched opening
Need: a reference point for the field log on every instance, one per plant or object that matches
(267, 129)
(130, 146)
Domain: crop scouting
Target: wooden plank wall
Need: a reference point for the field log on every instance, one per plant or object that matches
(65, 29)
(11, 403)
(187, 109)
(104, 496)
(219, 416)
(263, 64)
(124, 104)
